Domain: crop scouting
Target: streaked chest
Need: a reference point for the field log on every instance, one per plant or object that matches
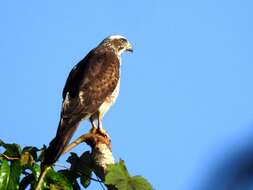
(109, 101)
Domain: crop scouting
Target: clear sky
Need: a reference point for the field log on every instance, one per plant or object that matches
(186, 97)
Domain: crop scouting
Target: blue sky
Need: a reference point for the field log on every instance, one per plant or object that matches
(186, 91)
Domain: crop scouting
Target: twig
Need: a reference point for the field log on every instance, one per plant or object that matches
(76, 142)
(61, 166)
(100, 182)
(91, 178)
(41, 178)
(9, 158)
(101, 146)
(90, 138)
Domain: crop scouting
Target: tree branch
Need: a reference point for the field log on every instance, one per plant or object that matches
(101, 154)
(9, 158)
(89, 138)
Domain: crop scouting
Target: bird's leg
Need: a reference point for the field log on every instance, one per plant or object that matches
(100, 128)
(93, 128)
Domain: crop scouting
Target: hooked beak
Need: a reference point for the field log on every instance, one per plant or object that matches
(129, 47)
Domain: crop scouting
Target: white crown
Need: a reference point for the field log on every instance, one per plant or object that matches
(112, 37)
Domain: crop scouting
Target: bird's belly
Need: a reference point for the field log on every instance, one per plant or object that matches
(109, 101)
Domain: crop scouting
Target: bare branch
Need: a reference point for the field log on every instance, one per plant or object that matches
(91, 139)
(101, 155)
(9, 158)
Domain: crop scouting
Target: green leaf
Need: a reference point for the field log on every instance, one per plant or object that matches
(12, 150)
(26, 181)
(82, 167)
(118, 176)
(26, 159)
(32, 150)
(73, 158)
(30, 178)
(85, 169)
(35, 168)
(138, 182)
(56, 187)
(15, 171)
(4, 175)
(57, 181)
(85, 181)
(1, 142)
(28, 156)
(72, 177)
(42, 153)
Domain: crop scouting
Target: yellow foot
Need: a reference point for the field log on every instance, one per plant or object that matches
(102, 132)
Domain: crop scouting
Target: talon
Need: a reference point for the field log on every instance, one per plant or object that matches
(103, 133)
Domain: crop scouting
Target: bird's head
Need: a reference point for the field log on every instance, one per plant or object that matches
(118, 43)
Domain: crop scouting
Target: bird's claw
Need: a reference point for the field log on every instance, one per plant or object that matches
(103, 133)
(99, 131)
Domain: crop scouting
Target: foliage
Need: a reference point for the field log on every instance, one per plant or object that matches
(119, 177)
(20, 169)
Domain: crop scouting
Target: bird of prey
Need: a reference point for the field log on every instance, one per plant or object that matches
(90, 90)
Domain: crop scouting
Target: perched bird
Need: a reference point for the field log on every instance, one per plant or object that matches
(90, 90)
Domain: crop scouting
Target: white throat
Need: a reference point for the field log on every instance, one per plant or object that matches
(120, 52)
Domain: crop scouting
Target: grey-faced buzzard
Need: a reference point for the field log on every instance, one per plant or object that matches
(90, 90)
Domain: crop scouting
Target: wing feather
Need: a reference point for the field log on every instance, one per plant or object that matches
(89, 83)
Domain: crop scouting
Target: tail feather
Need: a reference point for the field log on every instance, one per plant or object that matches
(58, 144)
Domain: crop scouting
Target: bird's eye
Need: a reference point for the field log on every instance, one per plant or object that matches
(123, 40)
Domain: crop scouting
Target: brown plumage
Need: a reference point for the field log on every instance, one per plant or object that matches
(91, 88)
